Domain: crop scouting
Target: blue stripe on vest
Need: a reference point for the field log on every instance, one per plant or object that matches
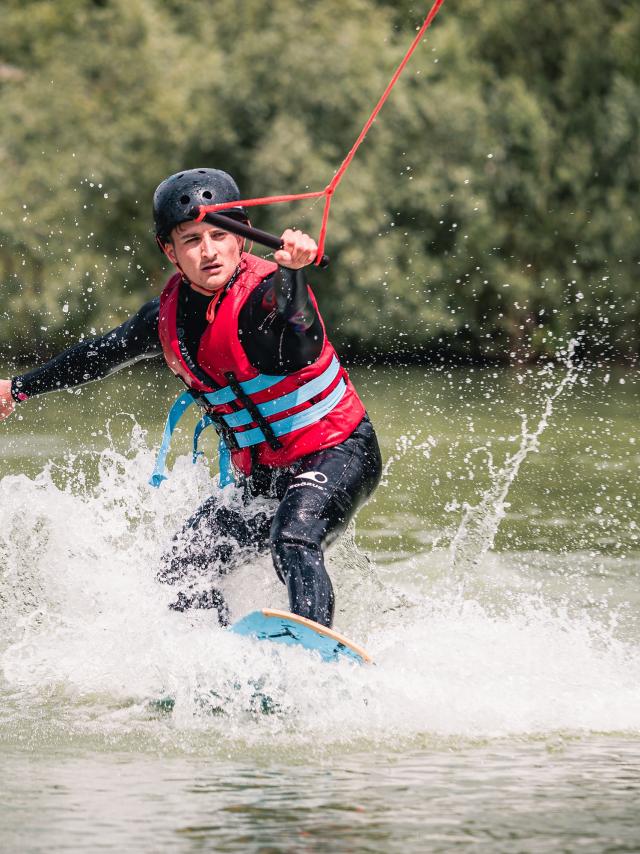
(288, 401)
(308, 416)
(253, 386)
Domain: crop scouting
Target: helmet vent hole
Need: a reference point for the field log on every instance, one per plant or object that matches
(207, 194)
(202, 171)
(184, 200)
(181, 176)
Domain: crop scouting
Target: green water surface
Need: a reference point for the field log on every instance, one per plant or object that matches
(93, 774)
(436, 427)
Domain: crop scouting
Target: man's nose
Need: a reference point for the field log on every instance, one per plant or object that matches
(209, 246)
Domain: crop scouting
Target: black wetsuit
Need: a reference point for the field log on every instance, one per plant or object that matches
(313, 500)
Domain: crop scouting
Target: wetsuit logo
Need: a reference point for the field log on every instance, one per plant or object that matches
(315, 476)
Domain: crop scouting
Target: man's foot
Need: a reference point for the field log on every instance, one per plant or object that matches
(207, 599)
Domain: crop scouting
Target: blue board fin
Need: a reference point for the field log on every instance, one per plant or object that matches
(284, 627)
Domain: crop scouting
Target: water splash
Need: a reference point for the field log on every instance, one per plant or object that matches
(480, 523)
(87, 639)
(403, 445)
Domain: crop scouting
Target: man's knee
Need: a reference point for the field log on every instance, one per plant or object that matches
(185, 560)
(288, 537)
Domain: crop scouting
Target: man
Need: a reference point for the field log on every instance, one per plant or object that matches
(246, 338)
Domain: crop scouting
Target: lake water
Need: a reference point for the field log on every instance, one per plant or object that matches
(494, 578)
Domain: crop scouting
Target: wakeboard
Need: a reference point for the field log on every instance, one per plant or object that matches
(286, 628)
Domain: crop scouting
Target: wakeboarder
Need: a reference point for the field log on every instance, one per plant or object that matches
(245, 336)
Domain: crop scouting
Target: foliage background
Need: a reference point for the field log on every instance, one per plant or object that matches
(490, 212)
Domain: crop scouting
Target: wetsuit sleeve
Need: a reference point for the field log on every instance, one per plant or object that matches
(279, 325)
(135, 339)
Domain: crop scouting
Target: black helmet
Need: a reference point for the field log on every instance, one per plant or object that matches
(175, 198)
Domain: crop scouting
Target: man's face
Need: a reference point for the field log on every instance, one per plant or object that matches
(205, 254)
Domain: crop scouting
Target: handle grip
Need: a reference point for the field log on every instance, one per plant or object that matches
(264, 238)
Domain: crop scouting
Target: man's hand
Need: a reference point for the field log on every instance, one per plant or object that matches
(7, 403)
(299, 250)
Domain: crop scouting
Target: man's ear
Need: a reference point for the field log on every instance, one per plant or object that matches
(170, 252)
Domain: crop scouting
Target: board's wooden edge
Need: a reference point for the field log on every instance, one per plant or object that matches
(322, 630)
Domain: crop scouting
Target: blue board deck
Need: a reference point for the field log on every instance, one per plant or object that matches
(283, 627)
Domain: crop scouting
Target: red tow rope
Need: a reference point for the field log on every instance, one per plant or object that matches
(331, 186)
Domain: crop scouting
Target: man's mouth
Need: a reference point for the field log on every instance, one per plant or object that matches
(211, 268)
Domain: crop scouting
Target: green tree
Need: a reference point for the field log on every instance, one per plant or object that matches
(490, 211)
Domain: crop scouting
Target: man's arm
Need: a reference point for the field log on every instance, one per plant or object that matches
(135, 339)
(279, 325)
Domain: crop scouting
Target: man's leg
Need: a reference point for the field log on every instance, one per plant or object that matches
(211, 543)
(322, 497)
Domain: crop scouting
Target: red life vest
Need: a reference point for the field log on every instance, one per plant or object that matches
(222, 362)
